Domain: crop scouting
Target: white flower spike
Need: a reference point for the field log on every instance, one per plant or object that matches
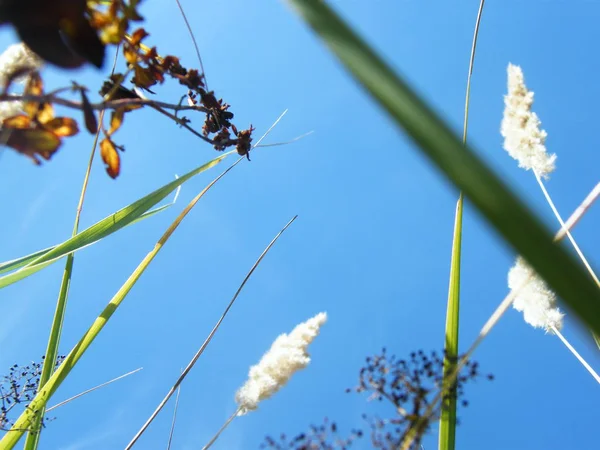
(535, 299)
(14, 58)
(523, 138)
(287, 355)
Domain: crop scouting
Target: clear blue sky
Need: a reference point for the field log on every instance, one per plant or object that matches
(371, 245)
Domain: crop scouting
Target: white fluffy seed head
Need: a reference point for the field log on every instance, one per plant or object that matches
(15, 58)
(535, 299)
(523, 138)
(287, 355)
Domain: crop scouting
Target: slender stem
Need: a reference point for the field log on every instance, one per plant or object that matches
(580, 211)
(64, 402)
(567, 232)
(225, 425)
(187, 24)
(105, 104)
(575, 353)
(206, 341)
(172, 430)
(471, 65)
(276, 144)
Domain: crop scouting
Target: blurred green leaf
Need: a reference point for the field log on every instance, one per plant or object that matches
(501, 208)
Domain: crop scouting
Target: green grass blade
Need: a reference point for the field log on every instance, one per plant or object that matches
(15, 264)
(105, 227)
(503, 209)
(447, 434)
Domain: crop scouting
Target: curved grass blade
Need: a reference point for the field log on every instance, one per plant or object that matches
(495, 201)
(105, 227)
(23, 261)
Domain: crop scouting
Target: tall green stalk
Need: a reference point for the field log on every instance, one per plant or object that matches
(447, 433)
(33, 436)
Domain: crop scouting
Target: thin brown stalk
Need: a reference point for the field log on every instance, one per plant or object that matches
(206, 341)
(225, 425)
(172, 430)
(187, 24)
(70, 399)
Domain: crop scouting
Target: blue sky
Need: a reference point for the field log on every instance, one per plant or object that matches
(371, 245)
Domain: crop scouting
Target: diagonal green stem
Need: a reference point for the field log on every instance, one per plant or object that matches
(33, 436)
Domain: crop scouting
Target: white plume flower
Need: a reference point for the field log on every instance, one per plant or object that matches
(15, 57)
(535, 299)
(287, 355)
(523, 138)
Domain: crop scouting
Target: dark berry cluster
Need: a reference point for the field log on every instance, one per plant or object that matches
(18, 388)
(412, 386)
(322, 437)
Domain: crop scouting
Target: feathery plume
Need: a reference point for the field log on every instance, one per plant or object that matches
(287, 355)
(14, 58)
(535, 299)
(523, 138)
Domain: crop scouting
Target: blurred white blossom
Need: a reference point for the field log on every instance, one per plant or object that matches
(287, 355)
(523, 138)
(14, 58)
(535, 299)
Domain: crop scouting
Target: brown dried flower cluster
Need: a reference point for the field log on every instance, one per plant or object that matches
(38, 134)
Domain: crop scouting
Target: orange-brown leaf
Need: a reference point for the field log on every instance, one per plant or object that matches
(116, 120)
(43, 112)
(111, 158)
(137, 36)
(143, 78)
(130, 54)
(62, 126)
(35, 85)
(20, 121)
(33, 142)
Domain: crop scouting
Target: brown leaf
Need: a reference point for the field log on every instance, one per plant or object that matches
(33, 142)
(35, 85)
(144, 78)
(111, 158)
(137, 36)
(62, 126)
(88, 114)
(19, 121)
(43, 112)
(58, 31)
(116, 120)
